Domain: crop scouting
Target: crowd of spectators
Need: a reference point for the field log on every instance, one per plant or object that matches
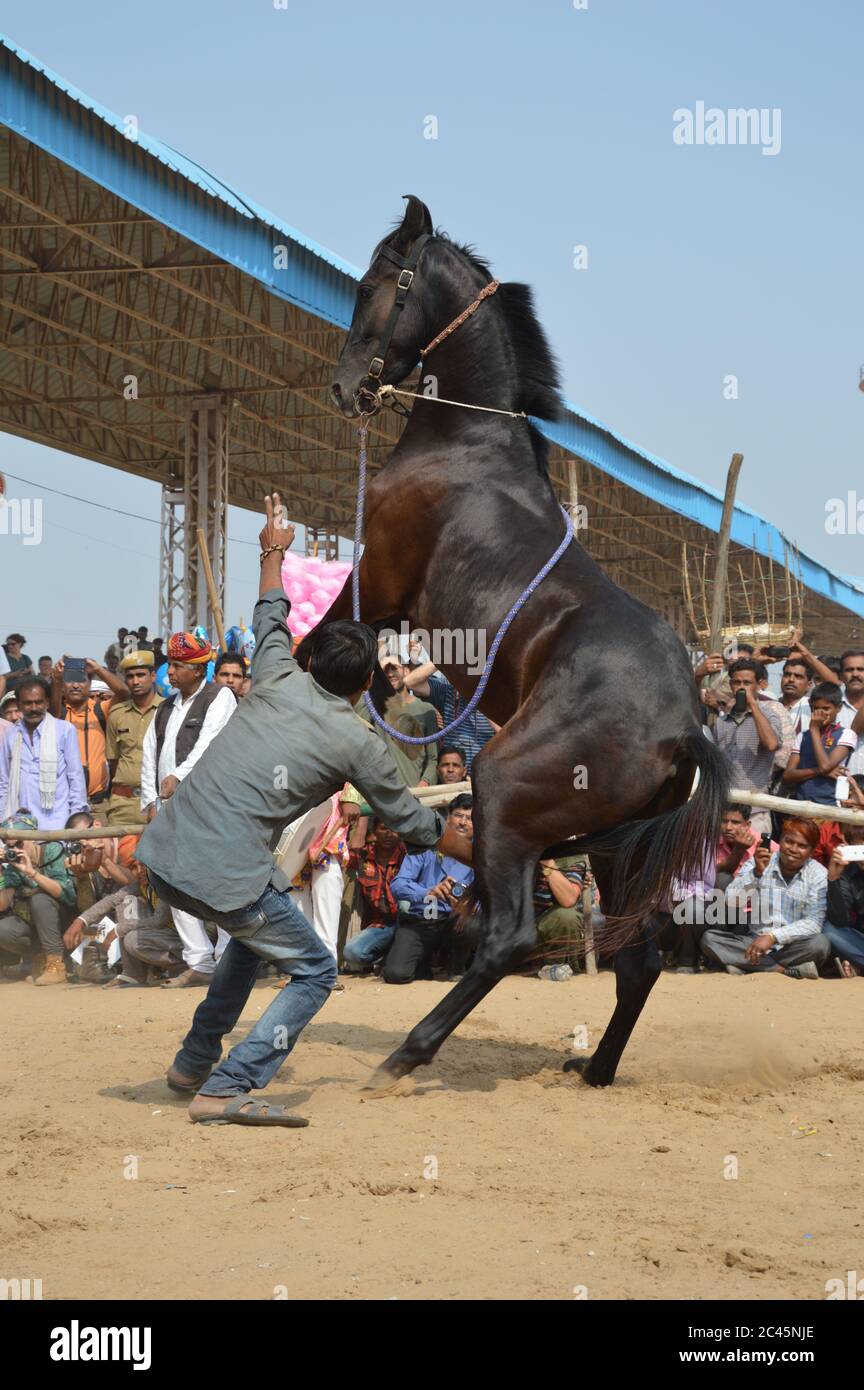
(89, 743)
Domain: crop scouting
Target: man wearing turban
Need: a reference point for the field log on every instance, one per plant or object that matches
(179, 732)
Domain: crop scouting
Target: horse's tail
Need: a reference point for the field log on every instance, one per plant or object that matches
(650, 854)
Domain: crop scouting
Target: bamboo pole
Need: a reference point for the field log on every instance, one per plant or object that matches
(440, 795)
(211, 589)
(812, 810)
(721, 567)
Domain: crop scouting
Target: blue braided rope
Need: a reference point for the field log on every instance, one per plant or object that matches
(499, 636)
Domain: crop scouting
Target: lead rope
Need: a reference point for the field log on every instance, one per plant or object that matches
(499, 636)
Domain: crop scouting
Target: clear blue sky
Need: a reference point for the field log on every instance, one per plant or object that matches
(554, 129)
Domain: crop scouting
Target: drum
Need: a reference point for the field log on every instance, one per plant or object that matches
(292, 850)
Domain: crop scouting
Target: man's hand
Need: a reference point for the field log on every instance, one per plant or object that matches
(455, 845)
(836, 865)
(710, 665)
(819, 718)
(758, 947)
(441, 891)
(277, 529)
(168, 787)
(739, 835)
(74, 935)
(761, 860)
(57, 671)
(150, 813)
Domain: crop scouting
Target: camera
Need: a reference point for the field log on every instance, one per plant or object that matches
(457, 890)
(778, 653)
(11, 855)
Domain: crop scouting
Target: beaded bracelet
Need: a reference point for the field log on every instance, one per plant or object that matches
(269, 551)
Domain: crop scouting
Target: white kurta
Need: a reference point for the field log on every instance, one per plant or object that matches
(198, 951)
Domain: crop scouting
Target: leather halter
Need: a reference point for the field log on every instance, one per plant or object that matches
(367, 397)
(407, 265)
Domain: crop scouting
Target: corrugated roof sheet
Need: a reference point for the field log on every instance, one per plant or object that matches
(89, 138)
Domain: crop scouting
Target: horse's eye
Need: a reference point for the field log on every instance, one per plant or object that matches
(366, 292)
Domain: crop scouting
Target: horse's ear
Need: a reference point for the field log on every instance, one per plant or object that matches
(416, 221)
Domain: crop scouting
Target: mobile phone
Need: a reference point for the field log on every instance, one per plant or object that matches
(841, 790)
(740, 701)
(778, 653)
(851, 854)
(74, 668)
(765, 840)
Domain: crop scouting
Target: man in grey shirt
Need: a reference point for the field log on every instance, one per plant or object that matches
(292, 743)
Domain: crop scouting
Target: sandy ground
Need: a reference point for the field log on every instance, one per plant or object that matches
(497, 1177)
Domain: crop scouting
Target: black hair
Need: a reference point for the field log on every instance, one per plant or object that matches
(832, 662)
(25, 682)
(746, 663)
(827, 690)
(230, 659)
(744, 647)
(78, 818)
(457, 751)
(796, 661)
(342, 656)
(17, 637)
(463, 802)
(850, 652)
(44, 658)
(745, 811)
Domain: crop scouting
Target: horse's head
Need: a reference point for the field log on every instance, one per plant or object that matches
(376, 297)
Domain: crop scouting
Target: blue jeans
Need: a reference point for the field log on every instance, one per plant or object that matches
(271, 929)
(846, 942)
(368, 946)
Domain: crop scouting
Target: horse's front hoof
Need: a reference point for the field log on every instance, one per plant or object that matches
(582, 1065)
(386, 1082)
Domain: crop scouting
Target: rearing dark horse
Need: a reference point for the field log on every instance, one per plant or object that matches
(457, 524)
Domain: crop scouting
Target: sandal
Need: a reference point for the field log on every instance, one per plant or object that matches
(259, 1112)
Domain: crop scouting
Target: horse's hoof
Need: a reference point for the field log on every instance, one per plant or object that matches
(582, 1065)
(383, 1082)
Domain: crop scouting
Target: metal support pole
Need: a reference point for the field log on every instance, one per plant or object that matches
(171, 561)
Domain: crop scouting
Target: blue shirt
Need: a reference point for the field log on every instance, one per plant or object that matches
(419, 873)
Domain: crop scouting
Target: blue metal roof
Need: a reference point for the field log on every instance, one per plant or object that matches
(45, 109)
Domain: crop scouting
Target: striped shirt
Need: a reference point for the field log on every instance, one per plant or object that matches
(845, 715)
(473, 734)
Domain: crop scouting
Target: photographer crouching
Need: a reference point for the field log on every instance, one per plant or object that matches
(37, 902)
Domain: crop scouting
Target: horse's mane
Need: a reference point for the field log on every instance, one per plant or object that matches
(539, 376)
(539, 382)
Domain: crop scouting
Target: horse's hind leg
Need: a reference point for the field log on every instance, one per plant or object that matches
(637, 967)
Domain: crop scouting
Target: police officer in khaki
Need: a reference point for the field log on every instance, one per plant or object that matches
(128, 722)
